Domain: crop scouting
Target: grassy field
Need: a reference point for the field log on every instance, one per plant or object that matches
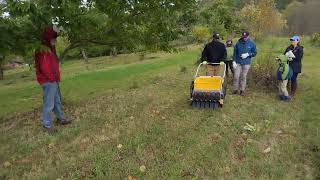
(143, 105)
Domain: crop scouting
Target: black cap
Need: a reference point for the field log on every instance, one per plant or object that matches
(245, 34)
(229, 41)
(216, 35)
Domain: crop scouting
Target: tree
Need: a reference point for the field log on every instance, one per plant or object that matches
(262, 18)
(303, 17)
(127, 24)
(218, 15)
(120, 24)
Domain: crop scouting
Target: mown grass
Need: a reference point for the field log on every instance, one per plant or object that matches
(144, 106)
(22, 95)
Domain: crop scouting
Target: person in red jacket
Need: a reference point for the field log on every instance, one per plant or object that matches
(48, 76)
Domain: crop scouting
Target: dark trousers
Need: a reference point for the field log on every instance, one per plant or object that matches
(294, 78)
(229, 66)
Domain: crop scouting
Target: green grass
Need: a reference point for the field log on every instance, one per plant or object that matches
(143, 105)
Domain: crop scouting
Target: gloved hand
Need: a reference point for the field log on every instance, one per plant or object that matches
(204, 62)
(290, 55)
(245, 55)
(234, 65)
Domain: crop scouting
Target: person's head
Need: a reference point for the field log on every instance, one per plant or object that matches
(216, 36)
(245, 35)
(281, 59)
(49, 36)
(229, 43)
(295, 40)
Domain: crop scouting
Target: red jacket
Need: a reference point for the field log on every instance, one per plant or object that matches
(46, 63)
(47, 67)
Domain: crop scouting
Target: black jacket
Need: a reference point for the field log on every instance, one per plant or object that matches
(214, 52)
(295, 64)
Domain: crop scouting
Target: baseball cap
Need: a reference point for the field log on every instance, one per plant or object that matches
(216, 35)
(295, 38)
(245, 34)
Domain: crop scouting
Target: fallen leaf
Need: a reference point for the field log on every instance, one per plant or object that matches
(163, 118)
(142, 168)
(131, 177)
(185, 173)
(249, 140)
(279, 131)
(119, 146)
(244, 136)
(227, 169)
(51, 145)
(131, 117)
(6, 164)
(267, 150)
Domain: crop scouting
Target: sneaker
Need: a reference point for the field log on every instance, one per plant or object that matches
(63, 121)
(51, 130)
(235, 92)
(286, 98)
(242, 93)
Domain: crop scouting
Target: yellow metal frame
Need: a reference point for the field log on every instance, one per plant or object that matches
(208, 83)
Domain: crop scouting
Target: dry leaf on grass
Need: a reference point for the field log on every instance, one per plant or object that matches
(142, 168)
(267, 150)
(119, 146)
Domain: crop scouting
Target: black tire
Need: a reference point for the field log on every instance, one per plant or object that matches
(207, 105)
(212, 105)
(198, 104)
(216, 105)
(194, 104)
(203, 104)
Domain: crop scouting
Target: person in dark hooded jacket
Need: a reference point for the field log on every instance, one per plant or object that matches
(48, 76)
(295, 64)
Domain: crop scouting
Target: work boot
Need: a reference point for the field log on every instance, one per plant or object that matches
(242, 93)
(51, 130)
(294, 87)
(63, 121)
(235, 92)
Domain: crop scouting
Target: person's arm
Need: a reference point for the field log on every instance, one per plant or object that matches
(225, 54)
(299, 54)
(204, 55)
(44, 66)
(253, 52)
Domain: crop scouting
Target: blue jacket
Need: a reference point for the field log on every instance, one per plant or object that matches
(244, 47)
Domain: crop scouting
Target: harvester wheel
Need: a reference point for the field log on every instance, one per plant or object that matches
(216, 105)
(207, 105)
(198, 104)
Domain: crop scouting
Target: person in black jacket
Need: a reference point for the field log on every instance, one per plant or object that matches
(214, 52)
(295, 64)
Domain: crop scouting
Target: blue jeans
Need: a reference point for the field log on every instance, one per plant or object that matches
(51, 102)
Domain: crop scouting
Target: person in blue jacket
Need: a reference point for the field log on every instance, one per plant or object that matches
(244, 51)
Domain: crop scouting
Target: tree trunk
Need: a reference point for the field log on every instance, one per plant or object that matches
(84, 55)
(1, 73)
(1, 68)
(68, 48)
